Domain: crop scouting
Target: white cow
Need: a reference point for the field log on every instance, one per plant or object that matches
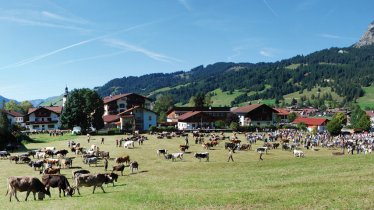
(127, 144)
(177, 155)
(298, 153)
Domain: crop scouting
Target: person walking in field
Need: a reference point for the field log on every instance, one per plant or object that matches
(105, 164)
(88, 138)
(230, 156)
(261, 156)
(116, 142)
(102, 140)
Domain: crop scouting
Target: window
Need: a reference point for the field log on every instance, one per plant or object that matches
(122, 106)
(35, 126)
(51, 126)
(149, 117)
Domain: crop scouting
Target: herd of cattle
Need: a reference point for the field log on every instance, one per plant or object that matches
(50, 162)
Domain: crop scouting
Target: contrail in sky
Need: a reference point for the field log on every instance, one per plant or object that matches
(270, 8)
(42, 56)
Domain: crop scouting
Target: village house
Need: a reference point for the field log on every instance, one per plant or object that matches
(282, 114)
(311, 123)
(129, 111)
(256, 115)
(43, 118)
(195, 120)
(137, 118)
(14, 117)
(370, 114)
(219, 113)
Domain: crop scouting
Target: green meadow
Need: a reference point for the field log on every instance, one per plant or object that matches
(280, 181)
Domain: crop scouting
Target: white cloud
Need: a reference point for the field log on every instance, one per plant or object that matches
(151, 54)
(268, 52)
(237, 52)
(58, 17)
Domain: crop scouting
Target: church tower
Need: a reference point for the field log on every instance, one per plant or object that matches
(65, 96)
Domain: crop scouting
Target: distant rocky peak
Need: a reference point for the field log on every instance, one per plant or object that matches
(367, 38)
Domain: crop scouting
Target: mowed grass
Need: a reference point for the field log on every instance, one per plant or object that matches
(323, 90)
(221, 98)
(318, 181)
(368, 99)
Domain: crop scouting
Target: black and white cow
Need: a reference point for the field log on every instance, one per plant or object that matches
(202, 155)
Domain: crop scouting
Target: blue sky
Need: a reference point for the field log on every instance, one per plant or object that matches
(47, 44)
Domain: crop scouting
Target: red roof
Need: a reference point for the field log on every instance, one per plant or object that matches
(188, 115)
(282, 111)
(116, 97)
(310, 121)
(110, 118)
(55, 109)
(13, 113)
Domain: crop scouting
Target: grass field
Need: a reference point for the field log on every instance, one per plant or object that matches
(296, 95)
(318, 181)
(224, 98)
(368, 99)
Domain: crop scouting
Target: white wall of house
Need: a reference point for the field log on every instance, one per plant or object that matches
(320, 128)
(44, 126)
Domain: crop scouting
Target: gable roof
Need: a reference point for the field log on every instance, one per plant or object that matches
(55, 109)
(250, 108)
(283, 112)
(310, 121)
(13, 113)
(188, 115)
(108, 99)
(110, 118)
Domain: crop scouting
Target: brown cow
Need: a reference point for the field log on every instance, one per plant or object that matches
(51, 171)
(26, 183)
(124, 159)
(120, 168)
(134, 165)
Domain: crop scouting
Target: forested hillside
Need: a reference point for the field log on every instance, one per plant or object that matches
(345, 70)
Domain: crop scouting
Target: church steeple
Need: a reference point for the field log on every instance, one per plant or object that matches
(65, 96)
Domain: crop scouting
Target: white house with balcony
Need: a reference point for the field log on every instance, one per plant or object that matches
(14, 118)
(44, 118)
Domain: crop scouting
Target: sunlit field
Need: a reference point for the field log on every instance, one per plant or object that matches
(280, 181)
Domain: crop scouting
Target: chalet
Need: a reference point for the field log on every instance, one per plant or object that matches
(116, 104)
(14, 117)
(319, 123)
(137, 118)
(219, 113)
(194, 120)
(283, 114)
(255, 115)
(44, 118)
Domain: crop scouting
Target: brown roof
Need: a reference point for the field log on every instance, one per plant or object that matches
(249, 108)
(310, 121)
(55, 109)
(206, 109)
(116, 97)
(13, 113)
(188, 115)
(110, 118)
(282, 111)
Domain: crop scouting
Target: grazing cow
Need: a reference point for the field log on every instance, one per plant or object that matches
(50, 153)
(202, 155)
(298, 153)
(59, 181)
(286, 147)
(183, 148)
(120, 168)
(51, 171)
(24, 159)
(245, 147)
(103, 154)
(127, 144)
(89, 180)
(262, 150)
(94, 148)
(66, 163)
(4, 154)
(134, 165)
(235, 141)
(40, 155)
(89, 161)
(14, 158)
(113, 176)
(161, 151)
(52, 161)
(168, 156)
(62, 152)
(207, 145)
(37, 164)
(77, 172)
(177, 155)
(275, 145)
(124, 159)
(26, 183)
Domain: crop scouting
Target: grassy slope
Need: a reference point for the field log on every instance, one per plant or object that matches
(368, 99)
(224, 98)
(318, 181)
(308, 94)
